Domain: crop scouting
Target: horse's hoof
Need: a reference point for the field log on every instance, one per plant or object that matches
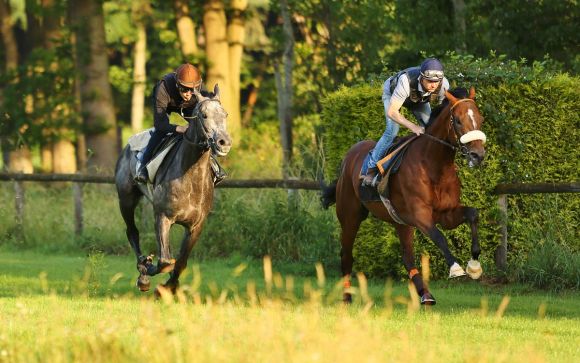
(456, 271)
(428, 299)
(474, 269)
(347, 298)
(143, 283)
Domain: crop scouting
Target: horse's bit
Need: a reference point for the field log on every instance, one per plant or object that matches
(208, 142)
(463, 139)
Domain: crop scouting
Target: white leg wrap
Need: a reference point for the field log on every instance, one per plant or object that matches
(474, 269)
(455, 271)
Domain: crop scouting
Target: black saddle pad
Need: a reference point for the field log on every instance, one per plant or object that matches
(368, 193)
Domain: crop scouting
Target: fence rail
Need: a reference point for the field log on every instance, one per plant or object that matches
(78, 180)
(501, 190)
(102, 179)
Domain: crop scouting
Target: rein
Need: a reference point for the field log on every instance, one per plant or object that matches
(208, 142)
(452, 124)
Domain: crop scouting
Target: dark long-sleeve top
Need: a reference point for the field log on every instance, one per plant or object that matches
(166, 99)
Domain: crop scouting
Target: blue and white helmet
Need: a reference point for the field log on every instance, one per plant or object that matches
(432, 69)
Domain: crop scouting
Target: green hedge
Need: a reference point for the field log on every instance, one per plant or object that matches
(532, 124)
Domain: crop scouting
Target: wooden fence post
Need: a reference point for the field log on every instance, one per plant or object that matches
(19, 205)
(78, 201)
(501, 251)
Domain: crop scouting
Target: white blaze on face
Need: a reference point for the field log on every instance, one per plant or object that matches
(470, 114)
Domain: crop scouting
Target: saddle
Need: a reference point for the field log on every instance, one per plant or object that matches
(139, 141)
(387, 166)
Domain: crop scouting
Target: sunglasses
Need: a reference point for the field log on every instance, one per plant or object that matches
(432, 75)
(183, 89)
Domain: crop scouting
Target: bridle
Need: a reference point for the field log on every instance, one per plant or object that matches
(461, 140)
(208, 141)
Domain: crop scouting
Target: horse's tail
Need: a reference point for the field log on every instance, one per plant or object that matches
(328, 195)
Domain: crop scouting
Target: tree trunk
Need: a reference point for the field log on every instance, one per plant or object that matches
(217, 52)
(10, 45)
(285, 90)
(139, 76)
(61, 152)
(236, 35)
(185, 30)
(19, 160)
(459, 19)
(96, 96)
(11, 60)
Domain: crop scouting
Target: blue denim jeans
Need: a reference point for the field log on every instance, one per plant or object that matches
(421, 111)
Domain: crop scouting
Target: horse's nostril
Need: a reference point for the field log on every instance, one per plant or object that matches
(222, 142)
(475, 156)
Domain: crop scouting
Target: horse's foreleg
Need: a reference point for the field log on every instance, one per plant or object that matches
(405, 234)
(430, 230)
(162, 226)
(454, 218)
(189, 239)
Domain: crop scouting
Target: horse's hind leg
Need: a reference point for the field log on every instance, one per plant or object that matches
(128, 201)
(350, 215)
(454, 218)
(405, 234)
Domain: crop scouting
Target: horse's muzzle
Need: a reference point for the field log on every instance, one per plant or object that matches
(223, 144)
(475, 158)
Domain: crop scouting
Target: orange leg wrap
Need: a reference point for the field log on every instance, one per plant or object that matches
(413, 272)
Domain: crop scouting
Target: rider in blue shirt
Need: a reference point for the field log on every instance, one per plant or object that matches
(413, 88)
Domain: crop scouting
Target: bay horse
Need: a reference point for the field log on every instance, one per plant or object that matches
(424, 191)
(182, 191)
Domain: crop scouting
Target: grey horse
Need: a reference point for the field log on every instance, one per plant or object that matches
(182, 191)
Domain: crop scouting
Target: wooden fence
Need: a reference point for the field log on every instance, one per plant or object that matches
(79, 179)
(502, 190)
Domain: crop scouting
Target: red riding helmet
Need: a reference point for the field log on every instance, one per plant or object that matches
(188, 76)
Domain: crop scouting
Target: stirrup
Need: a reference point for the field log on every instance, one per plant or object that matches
(372, 182)
(142, 175)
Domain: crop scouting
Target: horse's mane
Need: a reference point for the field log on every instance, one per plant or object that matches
(457, 92)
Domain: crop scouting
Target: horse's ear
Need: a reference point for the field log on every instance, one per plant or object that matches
(450, 97)
(472, 93)
(198, 95)
(216, 91)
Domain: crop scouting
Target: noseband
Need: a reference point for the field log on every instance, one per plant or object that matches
(208, 141)
(462, 140)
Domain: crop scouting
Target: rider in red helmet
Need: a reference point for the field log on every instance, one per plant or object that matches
(413, 88)
(173, 93)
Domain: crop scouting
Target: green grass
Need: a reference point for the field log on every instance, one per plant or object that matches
(56, 308)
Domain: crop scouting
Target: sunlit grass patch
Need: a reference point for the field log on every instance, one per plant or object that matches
(78, 309)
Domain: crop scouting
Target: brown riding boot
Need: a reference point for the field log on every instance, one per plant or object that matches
(370, 177)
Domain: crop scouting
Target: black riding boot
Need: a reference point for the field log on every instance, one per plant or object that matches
(142, 175)
(218, 172)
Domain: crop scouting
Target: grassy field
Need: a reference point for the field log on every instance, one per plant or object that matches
(57, 308)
